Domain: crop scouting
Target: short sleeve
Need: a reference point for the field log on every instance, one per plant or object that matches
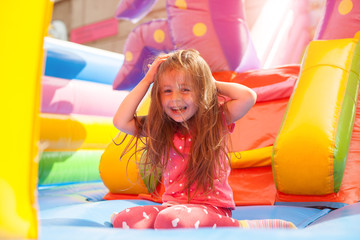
(231, 126)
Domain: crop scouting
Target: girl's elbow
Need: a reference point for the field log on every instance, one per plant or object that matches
(116, 122)
(252, 97)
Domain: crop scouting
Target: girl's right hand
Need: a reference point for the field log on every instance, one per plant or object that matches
(150, 75)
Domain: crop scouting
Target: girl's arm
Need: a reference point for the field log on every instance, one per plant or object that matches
(241, 100)
(124, 116)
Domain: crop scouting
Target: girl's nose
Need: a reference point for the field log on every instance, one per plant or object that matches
(176, 95)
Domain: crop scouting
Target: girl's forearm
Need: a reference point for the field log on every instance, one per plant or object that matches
(235, 90)
(241, 100)
(124, 116)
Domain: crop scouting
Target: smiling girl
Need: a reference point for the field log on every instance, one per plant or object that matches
(186, 133)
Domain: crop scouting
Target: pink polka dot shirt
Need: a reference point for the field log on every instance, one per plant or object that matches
(174, 180)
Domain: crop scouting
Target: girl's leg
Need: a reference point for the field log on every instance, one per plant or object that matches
(140, 217)
(194, 216)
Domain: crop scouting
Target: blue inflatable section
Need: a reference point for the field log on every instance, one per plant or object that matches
(73, 61)
(78, 210)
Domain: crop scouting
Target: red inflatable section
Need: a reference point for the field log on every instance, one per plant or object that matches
(259, 127)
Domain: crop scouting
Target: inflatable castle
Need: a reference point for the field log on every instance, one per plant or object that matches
(295, 156)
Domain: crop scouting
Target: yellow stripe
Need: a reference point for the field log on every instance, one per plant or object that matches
(252, 158)
(244, 224)
(72, 132)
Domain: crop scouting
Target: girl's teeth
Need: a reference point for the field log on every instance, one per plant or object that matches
(178, 109)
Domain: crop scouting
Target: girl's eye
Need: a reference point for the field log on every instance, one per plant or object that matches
(185, 90)
(167, 91)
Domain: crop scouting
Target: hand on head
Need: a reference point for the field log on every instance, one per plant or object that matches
(150, 75)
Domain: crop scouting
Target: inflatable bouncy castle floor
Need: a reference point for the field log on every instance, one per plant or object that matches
(78, 212)
(295, 156)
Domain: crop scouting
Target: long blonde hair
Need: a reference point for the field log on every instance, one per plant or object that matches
(207, 126)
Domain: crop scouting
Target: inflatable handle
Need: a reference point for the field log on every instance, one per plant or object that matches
(310, 151)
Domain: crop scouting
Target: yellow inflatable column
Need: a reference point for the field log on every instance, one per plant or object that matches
(310, 151)
(23, 24)
(122, 176)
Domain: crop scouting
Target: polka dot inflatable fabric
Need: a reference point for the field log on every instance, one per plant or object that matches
(294, 156)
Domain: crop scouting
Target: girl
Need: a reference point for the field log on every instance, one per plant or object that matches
(186, 132)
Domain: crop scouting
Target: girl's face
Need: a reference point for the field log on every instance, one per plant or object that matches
(177, 96)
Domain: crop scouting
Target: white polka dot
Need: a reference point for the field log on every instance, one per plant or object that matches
(180, 147)
(217, 193)
(219, 216)
(197, 224)
(175, 222)
(145, 215)
(171, 181)
(189, 140)
(127, 210)
(182, 194)
(180, 184)
(209, 197)
(125, 226)
(214, 226)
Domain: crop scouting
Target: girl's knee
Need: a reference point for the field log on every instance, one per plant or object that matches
(173, 217)
(118, 220)
(136, 217)
(169, 218)
(166, 219)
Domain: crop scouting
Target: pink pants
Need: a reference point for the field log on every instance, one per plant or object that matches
(176, 216)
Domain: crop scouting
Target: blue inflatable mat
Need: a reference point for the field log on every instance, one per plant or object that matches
(77, 211)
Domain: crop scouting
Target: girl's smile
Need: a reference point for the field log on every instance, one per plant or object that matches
(177, 96)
